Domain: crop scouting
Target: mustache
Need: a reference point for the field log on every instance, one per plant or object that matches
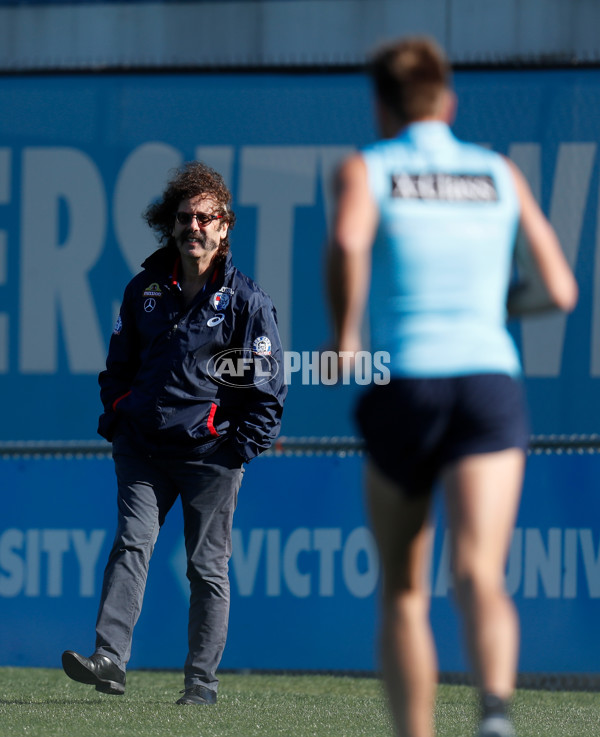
(189, 233)
(198, 236)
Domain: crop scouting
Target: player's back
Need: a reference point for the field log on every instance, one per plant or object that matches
(442, 255)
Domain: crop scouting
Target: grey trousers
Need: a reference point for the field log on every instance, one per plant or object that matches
(147, 489)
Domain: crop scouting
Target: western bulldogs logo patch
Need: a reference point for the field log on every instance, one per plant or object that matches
(219, 300)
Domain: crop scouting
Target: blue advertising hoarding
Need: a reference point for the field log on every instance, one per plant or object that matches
(304, 571)
(82, 156)
(80, 159)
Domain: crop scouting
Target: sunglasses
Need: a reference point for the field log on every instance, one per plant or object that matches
(185, 218)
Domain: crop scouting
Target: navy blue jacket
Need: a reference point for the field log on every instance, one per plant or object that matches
(180, 380)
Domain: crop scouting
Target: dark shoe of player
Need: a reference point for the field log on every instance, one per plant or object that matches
(97, 670)
(198, 695)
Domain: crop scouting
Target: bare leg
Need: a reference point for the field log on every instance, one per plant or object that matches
(482, 493)
(409, 662)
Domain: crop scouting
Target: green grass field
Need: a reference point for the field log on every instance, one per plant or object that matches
(44, 703)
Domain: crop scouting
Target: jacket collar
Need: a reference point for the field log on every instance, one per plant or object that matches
(165, 258)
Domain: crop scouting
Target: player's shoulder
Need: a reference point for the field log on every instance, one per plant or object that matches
(383, 147)
(379, 156)
(469, 150)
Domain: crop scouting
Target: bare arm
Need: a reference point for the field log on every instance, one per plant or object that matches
(349, 256)
(544, 247)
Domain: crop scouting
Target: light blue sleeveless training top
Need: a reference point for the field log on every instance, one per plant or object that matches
(442, 255)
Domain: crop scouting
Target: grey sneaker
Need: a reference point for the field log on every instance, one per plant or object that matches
(496, 726)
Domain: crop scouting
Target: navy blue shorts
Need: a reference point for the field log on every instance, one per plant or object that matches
(413, 428)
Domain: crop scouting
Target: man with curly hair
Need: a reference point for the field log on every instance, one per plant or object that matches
(192, 390)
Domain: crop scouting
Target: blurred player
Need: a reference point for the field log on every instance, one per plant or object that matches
(427, 224)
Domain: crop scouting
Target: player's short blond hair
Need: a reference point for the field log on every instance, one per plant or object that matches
(410, 76)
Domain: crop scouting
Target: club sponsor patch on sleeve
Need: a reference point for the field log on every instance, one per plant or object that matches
(261, 346)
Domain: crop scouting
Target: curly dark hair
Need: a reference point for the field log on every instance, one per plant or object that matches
(191, 180)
